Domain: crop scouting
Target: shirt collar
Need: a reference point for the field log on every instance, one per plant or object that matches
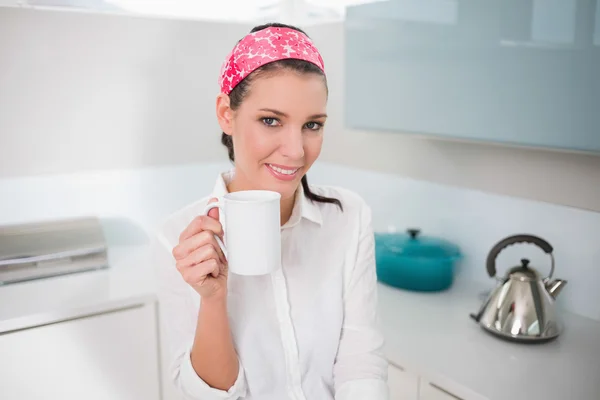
(303, 206)
(220, 188)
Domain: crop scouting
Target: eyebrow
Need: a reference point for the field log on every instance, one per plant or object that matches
(282, 114)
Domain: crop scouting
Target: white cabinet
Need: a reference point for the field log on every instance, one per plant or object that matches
(110, 356)
(404, 385)
(547, 98)
(430, 391)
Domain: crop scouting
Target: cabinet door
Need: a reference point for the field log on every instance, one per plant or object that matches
(109, 356)
(403, 384)
(430, 391)
(443, 82)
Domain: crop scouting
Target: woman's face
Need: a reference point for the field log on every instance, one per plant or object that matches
(277, 131)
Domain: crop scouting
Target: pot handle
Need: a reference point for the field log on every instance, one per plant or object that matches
(541, 243)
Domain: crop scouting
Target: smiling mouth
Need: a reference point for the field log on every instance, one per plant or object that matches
(284, 171)
(283, 174)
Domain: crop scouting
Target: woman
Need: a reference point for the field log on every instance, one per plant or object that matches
(308, 331)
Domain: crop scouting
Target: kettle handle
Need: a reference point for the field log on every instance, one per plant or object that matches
(541, 243)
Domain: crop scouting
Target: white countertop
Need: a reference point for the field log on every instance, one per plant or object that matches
(433, 335)
(129, 281)
(428, 333)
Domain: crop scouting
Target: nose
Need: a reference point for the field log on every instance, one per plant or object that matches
(292, 144)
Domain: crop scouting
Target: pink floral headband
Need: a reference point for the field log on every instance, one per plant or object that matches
(265, 46)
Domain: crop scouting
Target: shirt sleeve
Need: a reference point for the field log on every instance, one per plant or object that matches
(178, 311)
(360, 370)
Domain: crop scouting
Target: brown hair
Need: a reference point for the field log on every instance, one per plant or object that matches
(238, 94)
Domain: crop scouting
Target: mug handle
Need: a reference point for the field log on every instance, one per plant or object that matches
(209, 207)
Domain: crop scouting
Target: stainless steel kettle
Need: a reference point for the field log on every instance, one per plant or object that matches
(522, 305)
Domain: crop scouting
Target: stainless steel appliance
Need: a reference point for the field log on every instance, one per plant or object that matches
(44, 249)
(522, 305)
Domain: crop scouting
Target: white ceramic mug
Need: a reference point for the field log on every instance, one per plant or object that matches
(252, 230)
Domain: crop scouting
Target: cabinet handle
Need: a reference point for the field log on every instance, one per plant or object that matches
(433, 385)
(401, 368)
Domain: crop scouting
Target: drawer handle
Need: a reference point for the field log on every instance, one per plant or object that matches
(401, 368)
(433, 385)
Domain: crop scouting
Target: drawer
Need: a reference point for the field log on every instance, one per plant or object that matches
(111, 356)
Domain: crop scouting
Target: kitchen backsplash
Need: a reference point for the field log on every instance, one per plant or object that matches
(474, 220)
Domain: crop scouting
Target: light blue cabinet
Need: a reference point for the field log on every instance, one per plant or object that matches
(524, 72)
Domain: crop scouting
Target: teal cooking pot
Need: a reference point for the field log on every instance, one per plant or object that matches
(415, 262)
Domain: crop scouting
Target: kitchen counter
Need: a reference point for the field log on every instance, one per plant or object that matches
(127, 283)
(430, 334)
(433, 335)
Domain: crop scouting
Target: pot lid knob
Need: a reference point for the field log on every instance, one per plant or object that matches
(413, 233)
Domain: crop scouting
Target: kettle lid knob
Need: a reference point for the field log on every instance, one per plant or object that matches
(524, 272)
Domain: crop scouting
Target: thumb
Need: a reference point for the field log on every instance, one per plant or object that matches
(214, 213)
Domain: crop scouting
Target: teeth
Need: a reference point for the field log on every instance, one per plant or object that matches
(283, 171)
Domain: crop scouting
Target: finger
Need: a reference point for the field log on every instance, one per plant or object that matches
(198, 273)
(192, 243)
(199, 224)
(214, 213)
(212, 240)
(215, 272)
(199, 255)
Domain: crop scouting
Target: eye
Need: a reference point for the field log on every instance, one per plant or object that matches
(272, 122)
(313, 126)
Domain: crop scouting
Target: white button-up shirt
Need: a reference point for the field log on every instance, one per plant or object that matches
(308, 331)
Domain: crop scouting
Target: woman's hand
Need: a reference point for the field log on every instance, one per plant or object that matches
(199, 258)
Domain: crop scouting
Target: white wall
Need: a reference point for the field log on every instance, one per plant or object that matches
(476, 221)
(83, 91)
(88, 91)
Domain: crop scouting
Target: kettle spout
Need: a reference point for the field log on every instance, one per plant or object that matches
(554, 287)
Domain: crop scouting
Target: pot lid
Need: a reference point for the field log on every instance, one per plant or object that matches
(413, 244)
